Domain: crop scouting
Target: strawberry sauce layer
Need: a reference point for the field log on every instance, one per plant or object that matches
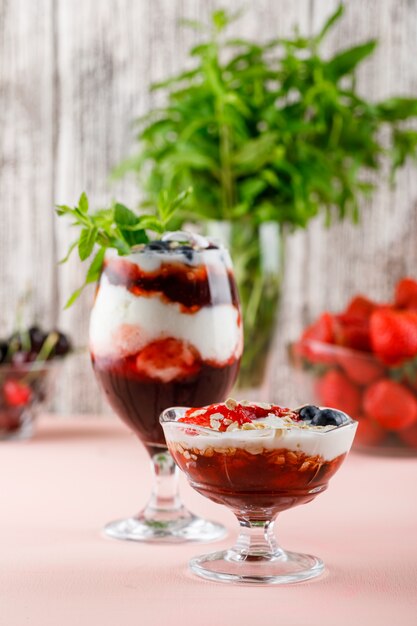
(139, 399)
(260, 484)
(193, 287)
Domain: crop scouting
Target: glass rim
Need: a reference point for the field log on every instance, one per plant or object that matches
(165, 418)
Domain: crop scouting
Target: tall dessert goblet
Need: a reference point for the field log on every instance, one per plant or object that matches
(165, 330)
(258, 460)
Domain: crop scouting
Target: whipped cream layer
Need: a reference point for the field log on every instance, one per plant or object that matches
(122, 323)
(277, 433)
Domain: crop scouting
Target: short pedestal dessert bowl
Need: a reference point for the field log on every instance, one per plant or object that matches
(258, 460)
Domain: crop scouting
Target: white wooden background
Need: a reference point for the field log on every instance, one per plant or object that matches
(73, 75)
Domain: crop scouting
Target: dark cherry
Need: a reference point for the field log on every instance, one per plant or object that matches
(37, 338)
(62, 346)
(329, 417)
(308, 412)
(4, 347)
(22, 357)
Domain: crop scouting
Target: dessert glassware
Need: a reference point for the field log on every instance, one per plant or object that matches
(262, 462)
(165, 329)
(24, 388)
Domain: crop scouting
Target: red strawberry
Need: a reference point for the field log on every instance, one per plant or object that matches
(360, 308)
(362, 369)
(335, 390)
(368, 432)
(320, 330)
(314, 336)
(16, 393)
(352, 332)
(409, 436)
(406, 294)
(168, 359)
(394, 335)
(390, 404)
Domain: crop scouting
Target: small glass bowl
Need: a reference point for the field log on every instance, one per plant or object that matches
(256, 474)
(24, 388)
(349, 380)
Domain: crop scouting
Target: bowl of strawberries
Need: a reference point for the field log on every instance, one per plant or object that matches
(27, 359)
(363, 361)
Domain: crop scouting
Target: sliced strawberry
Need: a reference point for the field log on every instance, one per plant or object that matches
(392, 405)
(362, 369)
(406, 294)
(240, 414)
(394, 335)
(168, 359)
(16, 393)
(368, 433)
(335, 390)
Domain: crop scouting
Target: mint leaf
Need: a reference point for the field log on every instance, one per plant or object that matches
(347, 60)
(329, 23)
(120, 245)
(67, 256)
(74, 297)
(86, 242)
(129, 225)
(94, 270)
(116, 227)
(83, 203)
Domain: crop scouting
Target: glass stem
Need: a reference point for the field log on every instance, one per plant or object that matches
(256, 540)
(165, 500)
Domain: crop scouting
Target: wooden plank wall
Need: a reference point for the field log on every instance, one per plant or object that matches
(75, 73)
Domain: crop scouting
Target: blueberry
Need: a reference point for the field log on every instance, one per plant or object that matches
(308, 412)
(37, 337)
(187, 251)
(329, 417)
(158, 246)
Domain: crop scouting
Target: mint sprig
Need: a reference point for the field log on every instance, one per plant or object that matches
(117, 227)
(270, 131)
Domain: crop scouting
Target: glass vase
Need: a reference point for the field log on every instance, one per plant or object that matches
(257, 254)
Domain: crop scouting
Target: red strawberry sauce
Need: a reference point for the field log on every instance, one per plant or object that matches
(241, 414)
(190, 286)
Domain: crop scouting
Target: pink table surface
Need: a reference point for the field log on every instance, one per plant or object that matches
(56, 568)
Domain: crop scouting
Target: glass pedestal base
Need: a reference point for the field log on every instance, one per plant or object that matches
(182, 528)
(231, 566)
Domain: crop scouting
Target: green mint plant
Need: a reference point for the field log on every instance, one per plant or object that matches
(270, 131)
(117, 227)
(263, 132)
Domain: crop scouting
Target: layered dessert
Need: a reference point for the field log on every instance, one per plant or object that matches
(165, 330)
(258, 458)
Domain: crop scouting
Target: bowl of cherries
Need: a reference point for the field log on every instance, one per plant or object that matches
(27, 359)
